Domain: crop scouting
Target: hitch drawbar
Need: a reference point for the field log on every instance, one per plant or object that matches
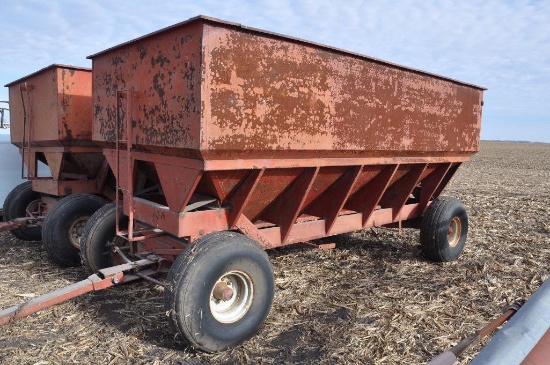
(104, 279)
(19, 223)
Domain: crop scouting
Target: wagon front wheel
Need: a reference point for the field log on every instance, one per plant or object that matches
(444, 229)
(21, 202)
(64, 225)
(219, 291)
(99, 238)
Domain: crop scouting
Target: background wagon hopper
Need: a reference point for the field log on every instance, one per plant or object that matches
(51, 122)
(280, 139)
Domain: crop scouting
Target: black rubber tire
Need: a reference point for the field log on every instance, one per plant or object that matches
(15, 206)
(190, 282)
(98, 233)
(56, 230)
(434, 231)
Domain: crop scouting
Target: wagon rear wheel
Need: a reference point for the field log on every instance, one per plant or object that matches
(219, 291)
(21, 202)
(99, 237)
(64, 225)
(444, 229)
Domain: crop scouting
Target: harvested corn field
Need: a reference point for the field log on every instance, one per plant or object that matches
(373, 299)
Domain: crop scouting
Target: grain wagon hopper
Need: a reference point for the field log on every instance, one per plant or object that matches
(51, 122)
(254, 140)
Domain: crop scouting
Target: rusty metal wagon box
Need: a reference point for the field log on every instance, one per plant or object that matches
(211, 89)
(52, 107)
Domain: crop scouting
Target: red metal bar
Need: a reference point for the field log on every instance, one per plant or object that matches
(20, 223)
(309, 230)
(250, 230)
(246, 164)
(199, 223)
(92, 283)
(130, 164)
(119, 96)
(25, 117)
(31, 170)
(104, 279)
(336, 196)
(65, 187)
(295, 162)
(180, 224)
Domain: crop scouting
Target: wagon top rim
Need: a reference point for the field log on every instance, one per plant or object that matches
(229, 24)
(52, 66)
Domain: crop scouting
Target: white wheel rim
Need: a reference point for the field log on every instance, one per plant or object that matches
(455, 231)
(233, 308)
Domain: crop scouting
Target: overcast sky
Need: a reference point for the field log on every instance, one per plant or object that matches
(502, 45)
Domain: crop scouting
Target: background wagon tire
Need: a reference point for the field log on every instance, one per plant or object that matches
(444, 229)
(64, 225)
(198, 280)
(21, 198)
(98, 236)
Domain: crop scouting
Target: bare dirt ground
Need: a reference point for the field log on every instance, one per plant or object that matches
(374, 299)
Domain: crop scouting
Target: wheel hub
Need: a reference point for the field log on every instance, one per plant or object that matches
(231, 297)
(34, 208)
(76, 230)
(222, 291)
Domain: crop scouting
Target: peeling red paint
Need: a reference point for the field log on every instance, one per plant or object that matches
(233, 92)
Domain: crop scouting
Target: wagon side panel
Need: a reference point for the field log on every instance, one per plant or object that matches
(74, 106)
(159, 80)
(39, 101)
(264, 94)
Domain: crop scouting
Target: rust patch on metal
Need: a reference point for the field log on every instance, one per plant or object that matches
(264, 93)
(165, 75)
(234, 92)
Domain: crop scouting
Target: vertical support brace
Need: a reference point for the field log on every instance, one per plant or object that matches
(286, 209)
(448, 176)
(119, 96)
(130, 163)
(396, 196)
(429, 185)
(241, 197)
(27, 118)
(330, 203)
(367, 199)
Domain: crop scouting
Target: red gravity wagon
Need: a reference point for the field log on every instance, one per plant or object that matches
(251, 140)
(51, 122)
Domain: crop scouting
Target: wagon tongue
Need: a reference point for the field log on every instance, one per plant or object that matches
(104, 279)
(19, 223)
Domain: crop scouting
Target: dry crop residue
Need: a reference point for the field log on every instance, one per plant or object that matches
(372, 300)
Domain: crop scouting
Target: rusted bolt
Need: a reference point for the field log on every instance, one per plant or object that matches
(222, 291)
